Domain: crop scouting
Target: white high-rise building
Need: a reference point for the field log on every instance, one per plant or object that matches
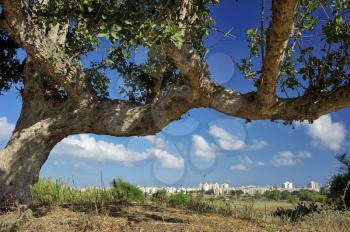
(215, 187)
(287, 185)
(204, 186)
(314, 186)
(225, 188)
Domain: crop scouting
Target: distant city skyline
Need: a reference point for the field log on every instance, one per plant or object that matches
(225, 188)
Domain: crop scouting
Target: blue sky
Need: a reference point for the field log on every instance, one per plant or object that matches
(204, 144)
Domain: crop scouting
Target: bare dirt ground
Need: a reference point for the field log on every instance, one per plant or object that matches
(133, 218)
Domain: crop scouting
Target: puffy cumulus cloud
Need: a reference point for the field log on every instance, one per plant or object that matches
(288, 158)
(6, 128)
(226, 140)
(326, 133)
(87, 148)
(246, 164)
(202, 148)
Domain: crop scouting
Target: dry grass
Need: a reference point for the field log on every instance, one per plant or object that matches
(132, 218)
(68, 218)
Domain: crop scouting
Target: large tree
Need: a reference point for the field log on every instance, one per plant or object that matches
(62, 97)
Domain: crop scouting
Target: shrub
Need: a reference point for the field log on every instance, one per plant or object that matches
(125, 192)
(178, 199)
(300, 211)
(160, 196)
(273, 195)
(199, 204)
(340, 183)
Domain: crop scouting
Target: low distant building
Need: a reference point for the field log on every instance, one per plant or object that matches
(168, 189)
(149, 190)
(252, 190)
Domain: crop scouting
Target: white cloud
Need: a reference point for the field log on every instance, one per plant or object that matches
(239, 167)
(257, 144)
(260, 164)
(226, 140)
(6, 129)
(156, 141)
(326, 133)
(230, 142)
(288, 158)
(166, 159)
(249, 162)
(285, 158)
(304, 154)
(85, 147)
(246, 163)
(202, 148)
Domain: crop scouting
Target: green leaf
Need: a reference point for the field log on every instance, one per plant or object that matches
(115, 35)
(101, 34)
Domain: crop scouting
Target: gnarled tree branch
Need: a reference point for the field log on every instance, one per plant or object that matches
(301, 108)
(39, 43)
(278, 35)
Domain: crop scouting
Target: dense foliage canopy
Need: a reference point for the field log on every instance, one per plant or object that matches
(11, 68)
(121, 26)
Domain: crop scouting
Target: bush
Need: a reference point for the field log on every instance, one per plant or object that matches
(178, 199)
(125, 192)
(274, 195)
(209, 192)
(236, 193)
(160, 196)
(300, 211)
(340, 184)
(199, 204)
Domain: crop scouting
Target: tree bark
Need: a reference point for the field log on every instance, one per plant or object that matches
(41, 125)
(47, 118)
(22, 159)
(278, 36)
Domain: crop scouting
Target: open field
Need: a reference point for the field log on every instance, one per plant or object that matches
(151, 218)
(123, 207)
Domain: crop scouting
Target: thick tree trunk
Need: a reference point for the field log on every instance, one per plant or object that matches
(42, 124)
(22, 159)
